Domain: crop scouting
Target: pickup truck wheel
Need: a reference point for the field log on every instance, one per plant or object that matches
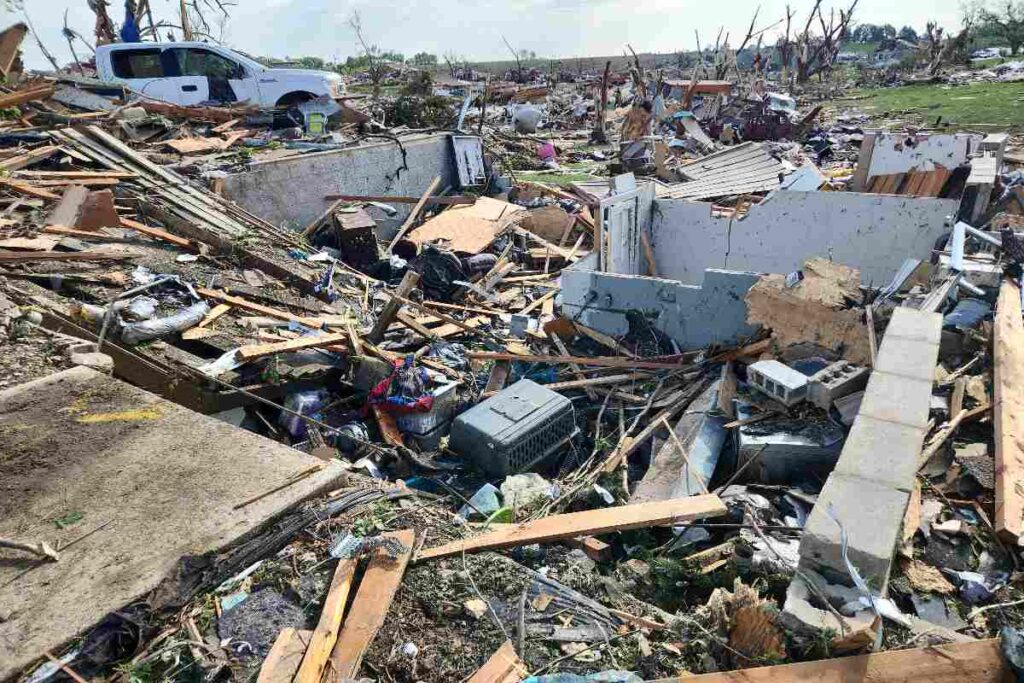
(288, 109)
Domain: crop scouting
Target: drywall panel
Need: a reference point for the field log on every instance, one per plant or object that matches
(874, 233)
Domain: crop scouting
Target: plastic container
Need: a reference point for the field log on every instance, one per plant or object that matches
(421, 424)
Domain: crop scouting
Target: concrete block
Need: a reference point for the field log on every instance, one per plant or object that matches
(903, 358)
(872, 515)
(835, 381)
(880, 451)
(893, 398)
(908, 323)
(779, 381)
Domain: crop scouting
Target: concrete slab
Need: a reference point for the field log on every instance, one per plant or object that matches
(163, 479)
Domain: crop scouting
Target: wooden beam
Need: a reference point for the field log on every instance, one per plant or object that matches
(76, 175)
(385, 199)
(391, 308)
(285, 655)
(596, 381)
(254, 351)
(603, 362)
(587, 523)
(1008, 380)
(325, 636)
(414, 214)
(978, 662)
(504, 666)
(239, 302)
(218, 311)
(369, 609)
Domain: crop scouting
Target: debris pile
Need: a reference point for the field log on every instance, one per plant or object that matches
(318, 396)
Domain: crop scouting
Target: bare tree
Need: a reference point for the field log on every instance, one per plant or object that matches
(376, 67)
(815, 53)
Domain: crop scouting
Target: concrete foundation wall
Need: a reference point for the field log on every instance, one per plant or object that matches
(694, 316)
(874, 233)
(291, 191)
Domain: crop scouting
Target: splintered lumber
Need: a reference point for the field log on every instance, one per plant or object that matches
(603, 362)
(596, 381)
(369, 609)
(20, 97)
(587, 523)
(1008, 357)
(391, 308)
(978, 662)
(284, 657)
(27, 189)
(76, 175)
(504, 666)
(415, 213)
(22, 160)
(218, 311)
(325, 635)
(158, 234)
(254, 351)
(239, 302)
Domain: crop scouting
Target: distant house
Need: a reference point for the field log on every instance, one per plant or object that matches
(677, 89)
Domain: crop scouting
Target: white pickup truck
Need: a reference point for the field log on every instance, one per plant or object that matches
(190, 73)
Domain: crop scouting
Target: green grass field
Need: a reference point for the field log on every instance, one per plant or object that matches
(982, 105)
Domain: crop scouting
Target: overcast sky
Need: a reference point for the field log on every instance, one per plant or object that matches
(473, 28)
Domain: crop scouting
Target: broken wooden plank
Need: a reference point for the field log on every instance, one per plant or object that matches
(391, 308)
(76, 175)
(325, 635)
(10, 45)
(1008, 378)
(587, 523)
(20, 97)
(69, 207)
(415, 213)
(159, 234)
(239, 302)
(27, 159)
(504, 666)
(218, 311)
(596, 381)
(604, 362)
(28, 189)
(369, 608)
(978, 662)
(254, 351)
(285, 656)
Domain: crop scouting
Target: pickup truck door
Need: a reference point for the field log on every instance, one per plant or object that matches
(186, 91)
(226, 80)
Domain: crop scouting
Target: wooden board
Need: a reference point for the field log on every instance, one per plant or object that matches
(977, 662)
(504, 666)
(22, 160)
(1008, 381)
(254, 351)
(239, 302)
(27, 189)
(159, 234)
(587, 523)
(285, 655)
(325, 635)
(415, 213)
(369, 609)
